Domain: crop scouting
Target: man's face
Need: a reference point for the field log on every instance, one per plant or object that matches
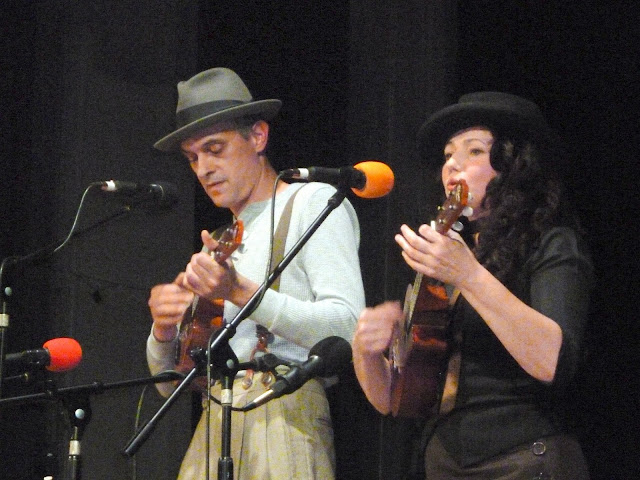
(228, 165)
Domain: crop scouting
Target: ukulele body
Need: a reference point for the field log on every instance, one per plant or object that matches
(420, 356)
(420, 347)
(197, 326)
(203, 318)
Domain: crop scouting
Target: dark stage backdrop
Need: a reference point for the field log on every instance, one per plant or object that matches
(85, 90)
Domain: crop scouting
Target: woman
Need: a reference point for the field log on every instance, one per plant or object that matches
(524, 294)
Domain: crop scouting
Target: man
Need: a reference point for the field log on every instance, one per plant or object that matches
(223, 133)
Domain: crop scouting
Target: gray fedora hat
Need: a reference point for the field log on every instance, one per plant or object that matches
(503, 113)
(213, 96)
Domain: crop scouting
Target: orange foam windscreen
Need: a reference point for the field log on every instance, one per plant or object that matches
(379, 176)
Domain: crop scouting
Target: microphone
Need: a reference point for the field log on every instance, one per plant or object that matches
(56, 355)
(326, 358)
(263, 363)
(370, 179)
(165, 193)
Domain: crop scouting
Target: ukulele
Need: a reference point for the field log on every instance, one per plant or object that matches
(204, 317)
(420, 347)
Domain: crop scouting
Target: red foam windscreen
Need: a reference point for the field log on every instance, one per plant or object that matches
(65, 354)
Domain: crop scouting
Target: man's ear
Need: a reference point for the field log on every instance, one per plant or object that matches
(260, 135)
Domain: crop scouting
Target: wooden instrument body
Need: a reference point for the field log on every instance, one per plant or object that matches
(420, 348)
(197, 326)
(419, 360)
(204, 317)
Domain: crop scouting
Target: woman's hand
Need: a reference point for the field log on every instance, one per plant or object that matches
(373, 335)
(443, 257)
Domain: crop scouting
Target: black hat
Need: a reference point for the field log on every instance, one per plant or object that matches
(211, 97)
(503, 113)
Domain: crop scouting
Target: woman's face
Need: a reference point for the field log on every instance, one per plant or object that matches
(466, 157)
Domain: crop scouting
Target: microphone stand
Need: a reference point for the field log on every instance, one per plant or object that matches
(5, 293)
(225, 462)
(221, 343)
(78, 406)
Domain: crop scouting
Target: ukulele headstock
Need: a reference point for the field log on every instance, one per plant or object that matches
(453, 207)
(229, 239)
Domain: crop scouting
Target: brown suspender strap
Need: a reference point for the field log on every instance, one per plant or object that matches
(277, 253)
(280, 237)
(450, 390)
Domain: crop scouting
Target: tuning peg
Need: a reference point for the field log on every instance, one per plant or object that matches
(467, 211)
(457, 226)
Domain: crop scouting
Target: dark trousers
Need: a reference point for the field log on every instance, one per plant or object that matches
(551, 458)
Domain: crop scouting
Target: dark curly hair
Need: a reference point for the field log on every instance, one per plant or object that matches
(526, 199)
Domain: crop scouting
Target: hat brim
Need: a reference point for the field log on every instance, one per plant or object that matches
(265, 109)
(442, 125)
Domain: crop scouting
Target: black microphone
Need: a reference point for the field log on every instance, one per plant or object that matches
(262, 363)
(326, 358)
(165, 193)
(349, 176)
(370, 179)
(56, 355)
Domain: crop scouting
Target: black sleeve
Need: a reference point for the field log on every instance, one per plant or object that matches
(560, 284)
